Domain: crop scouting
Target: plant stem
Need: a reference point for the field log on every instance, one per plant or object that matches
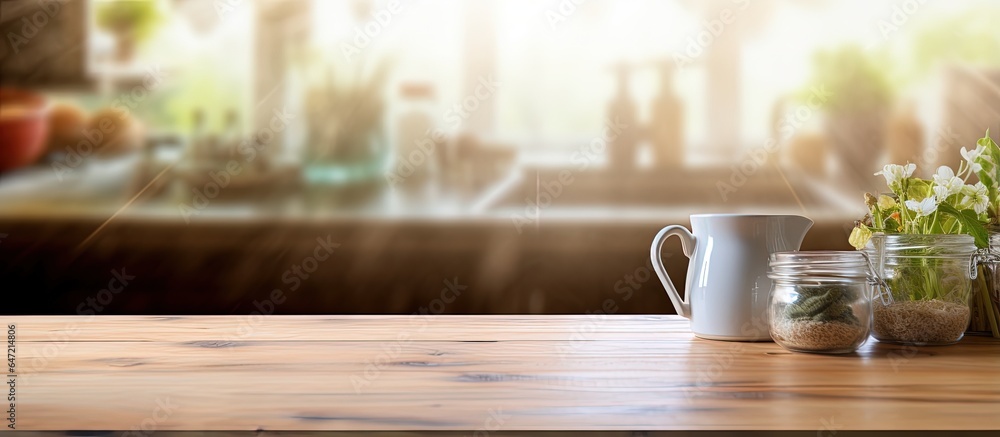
(988, 303)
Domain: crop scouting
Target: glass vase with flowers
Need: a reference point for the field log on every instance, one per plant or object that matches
(924, 240)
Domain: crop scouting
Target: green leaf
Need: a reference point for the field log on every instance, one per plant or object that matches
(972, 226)
(917, 189)
(936, 226)
(890, 225)
(860, 236)
(950, 223)
(886, 203)
(990, 174)
(970, 223)
(987, 142)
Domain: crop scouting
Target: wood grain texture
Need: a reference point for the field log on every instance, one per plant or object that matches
(477, 372)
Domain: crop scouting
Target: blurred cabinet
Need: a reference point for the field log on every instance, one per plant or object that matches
(45, 43)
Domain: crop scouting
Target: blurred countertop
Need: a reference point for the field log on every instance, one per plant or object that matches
(110, 188)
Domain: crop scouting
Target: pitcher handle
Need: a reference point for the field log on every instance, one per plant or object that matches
(688, 242)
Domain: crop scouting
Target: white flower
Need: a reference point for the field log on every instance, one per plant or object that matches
(894, 173)
(977, 196)
(941, 193)
(964, 203)
(924, 207)
(973, 155)
(945, 177)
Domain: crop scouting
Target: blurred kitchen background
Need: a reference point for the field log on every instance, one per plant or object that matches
(516, 156)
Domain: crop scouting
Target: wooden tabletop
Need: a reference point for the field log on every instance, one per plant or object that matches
(476, 373)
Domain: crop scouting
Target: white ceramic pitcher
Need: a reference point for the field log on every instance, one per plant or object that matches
(727, 283)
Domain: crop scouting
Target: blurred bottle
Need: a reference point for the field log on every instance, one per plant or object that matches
(419, 149)
(622, 112)
(666, 130)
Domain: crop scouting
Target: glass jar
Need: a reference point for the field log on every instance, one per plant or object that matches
(820, 301)
(927, 281)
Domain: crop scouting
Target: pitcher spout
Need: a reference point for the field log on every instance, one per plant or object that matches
(798, 225)
(795, 228)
